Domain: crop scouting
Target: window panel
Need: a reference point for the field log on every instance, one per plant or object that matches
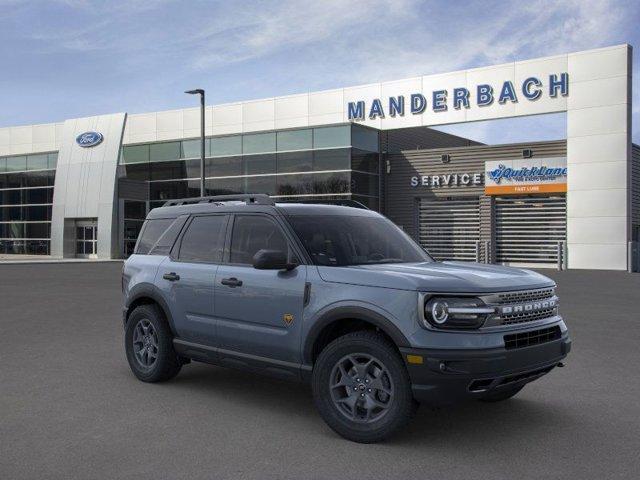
(191, 148)
(135, 153)
(364, 184)
(175, 170)
(169, 190)
(139, 171)
(331, 183)
(252, 233)
(224, 146)
(39, 179)
(294, 184)
(37, 162)
(166, 151)
(203, 240)
(339, 159)
(16, 164)
(259, 143)
(38, 195)
(226, 186)
(37, 230)
(258, 164)
(37, 247)
(223, 166)
(295, 162)
(364, 138)
(364, 161)
(3, 165)
(52, 160)
(135, 210)
(266, 185)
(37, 213)
(328, 137)
(295, 140)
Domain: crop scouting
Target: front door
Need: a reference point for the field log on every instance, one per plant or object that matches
(259, 312)
(86, 238)
(187, 278)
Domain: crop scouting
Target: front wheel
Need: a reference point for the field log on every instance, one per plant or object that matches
(361, 387)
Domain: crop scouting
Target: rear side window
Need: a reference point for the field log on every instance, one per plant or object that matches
(203, 240)
(150, 234)
(168, 238)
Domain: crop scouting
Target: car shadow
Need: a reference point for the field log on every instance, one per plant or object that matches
(471, 423)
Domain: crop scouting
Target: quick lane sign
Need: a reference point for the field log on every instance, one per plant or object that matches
(482, 95)
(542, 175)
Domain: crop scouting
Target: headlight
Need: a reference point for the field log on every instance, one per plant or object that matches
(455, 312)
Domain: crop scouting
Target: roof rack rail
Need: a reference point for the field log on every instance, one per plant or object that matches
(339, 202)
(258, 199)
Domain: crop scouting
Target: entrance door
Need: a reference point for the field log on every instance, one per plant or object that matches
(87, 239)
(528, 229)
(450, 227)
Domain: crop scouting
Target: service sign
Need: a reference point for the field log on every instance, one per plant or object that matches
(522, 176)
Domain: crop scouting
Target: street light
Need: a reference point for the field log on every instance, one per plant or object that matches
(200, 91)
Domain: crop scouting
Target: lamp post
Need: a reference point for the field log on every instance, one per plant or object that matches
(200, 91)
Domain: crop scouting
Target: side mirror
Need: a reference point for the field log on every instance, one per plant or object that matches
(272, 260)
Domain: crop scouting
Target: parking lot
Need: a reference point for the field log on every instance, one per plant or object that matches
(70, 408)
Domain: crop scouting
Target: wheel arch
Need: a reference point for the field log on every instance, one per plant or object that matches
(351, 317)
(147, 294)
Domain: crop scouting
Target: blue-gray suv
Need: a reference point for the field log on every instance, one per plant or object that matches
(336, 296)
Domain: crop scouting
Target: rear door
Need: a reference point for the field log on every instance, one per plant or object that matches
(259, 312)
(187, 277)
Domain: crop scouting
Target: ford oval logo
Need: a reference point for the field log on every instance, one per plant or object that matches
(89, 139)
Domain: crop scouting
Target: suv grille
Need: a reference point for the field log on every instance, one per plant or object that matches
(514, 318)
(525, 296)
(535, 337)
(522, 306)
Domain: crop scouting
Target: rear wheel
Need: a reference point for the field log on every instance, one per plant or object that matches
(501, 395)
(149, 345)
(361, 387)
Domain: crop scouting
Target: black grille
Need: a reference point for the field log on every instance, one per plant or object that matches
(522, 317)
(534, 337)
(525, 296)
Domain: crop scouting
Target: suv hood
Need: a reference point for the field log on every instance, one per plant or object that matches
(455, 277)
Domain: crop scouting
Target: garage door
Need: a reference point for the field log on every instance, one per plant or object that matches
(528, 229)
(449, 228)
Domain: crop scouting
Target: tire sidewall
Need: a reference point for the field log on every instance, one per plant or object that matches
(402, 403)
(166, 359)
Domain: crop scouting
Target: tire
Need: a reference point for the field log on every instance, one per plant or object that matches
(501, 395)
(161, 363)
(344, 399)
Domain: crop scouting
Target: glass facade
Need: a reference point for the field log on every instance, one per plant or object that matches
(336, 162)
(26, 196)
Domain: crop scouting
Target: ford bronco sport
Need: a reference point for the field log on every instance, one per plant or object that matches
(336, 296)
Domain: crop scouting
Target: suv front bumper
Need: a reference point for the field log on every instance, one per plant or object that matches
(451, 375)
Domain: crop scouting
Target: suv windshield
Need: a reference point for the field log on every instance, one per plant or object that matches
(341, 240)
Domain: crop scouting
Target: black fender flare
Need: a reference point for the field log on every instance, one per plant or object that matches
(351, 312)
(147, 290)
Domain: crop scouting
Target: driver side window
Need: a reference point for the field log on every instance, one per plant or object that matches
(252, 233)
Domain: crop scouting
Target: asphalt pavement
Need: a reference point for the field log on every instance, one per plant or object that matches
(70, 408)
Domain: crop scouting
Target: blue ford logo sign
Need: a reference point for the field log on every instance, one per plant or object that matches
(89, 139)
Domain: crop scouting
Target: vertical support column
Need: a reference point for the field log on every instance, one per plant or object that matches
(599, 158)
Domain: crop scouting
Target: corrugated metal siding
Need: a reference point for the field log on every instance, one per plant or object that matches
(635, 188)
(401, 198)
(420, 138)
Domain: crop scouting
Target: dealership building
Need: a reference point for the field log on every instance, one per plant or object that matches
(82, 187)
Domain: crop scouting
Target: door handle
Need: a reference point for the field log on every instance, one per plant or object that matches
(172, 277)
(231, 282)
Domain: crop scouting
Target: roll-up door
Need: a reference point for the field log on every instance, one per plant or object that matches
(528, 229)
(450, 228)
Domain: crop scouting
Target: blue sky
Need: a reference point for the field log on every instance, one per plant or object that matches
(65, 59)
